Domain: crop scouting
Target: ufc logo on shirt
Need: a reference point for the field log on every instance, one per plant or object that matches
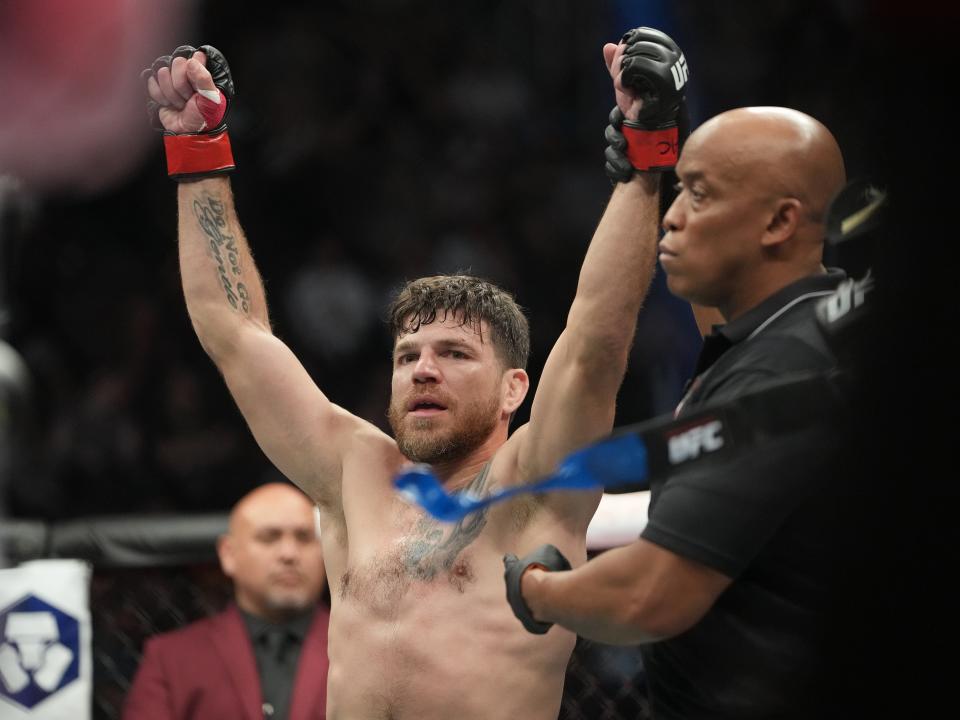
(692, 443)
(850, 295)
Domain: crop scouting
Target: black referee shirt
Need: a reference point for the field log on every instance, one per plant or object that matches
(777, 337)
(764, 518)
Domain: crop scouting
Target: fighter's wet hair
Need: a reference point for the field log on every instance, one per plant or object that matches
(471, 300)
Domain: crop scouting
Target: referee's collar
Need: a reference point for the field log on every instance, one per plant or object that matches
(726, 336)
(741, 328)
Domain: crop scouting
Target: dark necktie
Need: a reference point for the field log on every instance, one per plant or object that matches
(275, 642)
(276, 679)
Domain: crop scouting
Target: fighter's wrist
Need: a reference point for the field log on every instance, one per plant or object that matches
(531, 587)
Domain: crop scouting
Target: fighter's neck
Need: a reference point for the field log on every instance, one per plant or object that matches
(460, 473)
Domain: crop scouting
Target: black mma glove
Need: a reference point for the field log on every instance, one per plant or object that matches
(655, 70)
(204, 151)
(618, 167)
(546, 557)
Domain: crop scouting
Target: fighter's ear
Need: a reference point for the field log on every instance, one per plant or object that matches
(783, 221)
(516, 383)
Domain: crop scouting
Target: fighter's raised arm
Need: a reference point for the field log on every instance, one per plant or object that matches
(575, 400)
(190, 92)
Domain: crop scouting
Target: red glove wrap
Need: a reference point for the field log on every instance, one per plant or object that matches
(198, 154)
(651, 149)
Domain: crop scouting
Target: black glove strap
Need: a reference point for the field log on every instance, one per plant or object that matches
(546, 557)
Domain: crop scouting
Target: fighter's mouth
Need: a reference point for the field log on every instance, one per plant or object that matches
(425, 405)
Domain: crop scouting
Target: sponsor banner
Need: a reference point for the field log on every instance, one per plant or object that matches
(45, 641)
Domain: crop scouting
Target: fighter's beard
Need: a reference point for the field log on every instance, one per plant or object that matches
(417, 441)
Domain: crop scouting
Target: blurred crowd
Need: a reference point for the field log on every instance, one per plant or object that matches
(376, 141)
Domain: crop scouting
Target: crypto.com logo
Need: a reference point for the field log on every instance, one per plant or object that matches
(39, 651)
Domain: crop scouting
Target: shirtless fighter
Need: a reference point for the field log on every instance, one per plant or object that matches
(419, 626)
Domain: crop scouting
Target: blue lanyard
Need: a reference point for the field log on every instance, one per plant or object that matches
(615, 461)
(655, 450)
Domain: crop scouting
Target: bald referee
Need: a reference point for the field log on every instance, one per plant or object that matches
(730, 588)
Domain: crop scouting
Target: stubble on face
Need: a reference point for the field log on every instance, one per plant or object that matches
(422, 440)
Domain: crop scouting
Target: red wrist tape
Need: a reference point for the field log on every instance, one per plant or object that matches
(651, 149)
(199, 154)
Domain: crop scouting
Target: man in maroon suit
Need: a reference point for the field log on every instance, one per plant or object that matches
(266, 655)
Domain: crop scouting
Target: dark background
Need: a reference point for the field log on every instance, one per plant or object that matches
(380, 140)
(376, 141)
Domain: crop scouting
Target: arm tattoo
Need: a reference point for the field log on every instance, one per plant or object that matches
(429, 552)
(211, 217)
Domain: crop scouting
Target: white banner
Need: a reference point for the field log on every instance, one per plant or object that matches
(46, 663)
(619, 520)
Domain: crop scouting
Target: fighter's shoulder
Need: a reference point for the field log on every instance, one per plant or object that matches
(508, 467)
(366, 440)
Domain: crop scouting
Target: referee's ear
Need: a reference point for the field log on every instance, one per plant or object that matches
(783, 222)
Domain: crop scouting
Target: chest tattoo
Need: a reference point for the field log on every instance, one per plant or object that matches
(432, 547)
(429, 550)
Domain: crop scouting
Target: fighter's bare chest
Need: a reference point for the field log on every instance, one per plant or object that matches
(401, 551)
(405, 553)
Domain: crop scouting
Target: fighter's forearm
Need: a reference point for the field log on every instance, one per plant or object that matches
(221, 284)
(601, 600)
(575, 399)
(617, 269)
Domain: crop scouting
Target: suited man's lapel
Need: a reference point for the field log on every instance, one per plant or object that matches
(228, 634)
